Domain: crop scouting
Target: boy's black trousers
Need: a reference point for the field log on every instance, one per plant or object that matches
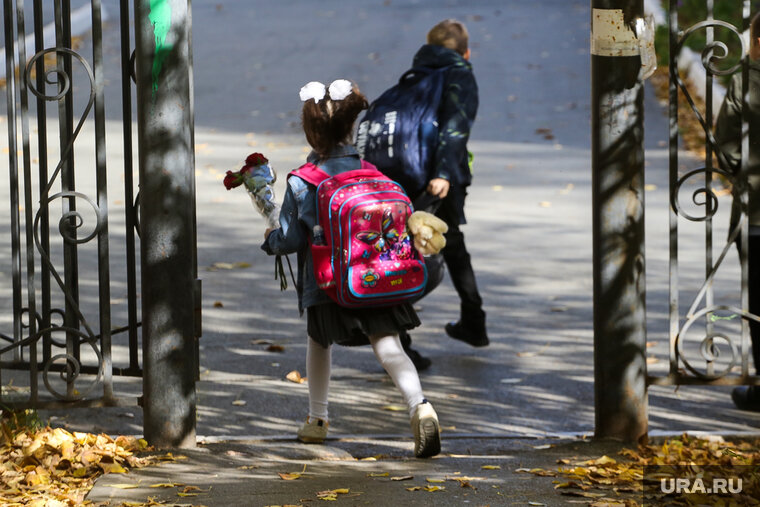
(458, 262)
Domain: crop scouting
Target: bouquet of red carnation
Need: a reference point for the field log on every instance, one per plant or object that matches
(258, 178)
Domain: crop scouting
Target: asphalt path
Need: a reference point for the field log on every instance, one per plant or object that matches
(529, 225)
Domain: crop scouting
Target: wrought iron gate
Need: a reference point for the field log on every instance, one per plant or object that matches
(719, 319)
(69, 285)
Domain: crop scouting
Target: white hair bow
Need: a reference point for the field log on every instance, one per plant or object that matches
(338, 90)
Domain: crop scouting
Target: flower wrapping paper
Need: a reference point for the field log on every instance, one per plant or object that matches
(259, 182)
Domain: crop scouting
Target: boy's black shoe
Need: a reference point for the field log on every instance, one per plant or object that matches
(420, 362)
(458, 331)
(746, 398)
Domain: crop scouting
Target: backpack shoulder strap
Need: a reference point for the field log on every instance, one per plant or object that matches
(368, 166)
(416, 73)
(367, 170)
(310, 173)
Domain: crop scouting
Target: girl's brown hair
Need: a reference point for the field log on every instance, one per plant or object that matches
(329, 123)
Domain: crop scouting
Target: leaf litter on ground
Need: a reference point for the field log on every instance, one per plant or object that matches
(52, 466)
(603, 479)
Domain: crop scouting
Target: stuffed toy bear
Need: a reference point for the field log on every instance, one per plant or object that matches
(427, 231)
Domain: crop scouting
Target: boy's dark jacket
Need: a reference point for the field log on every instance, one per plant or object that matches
(459, 105)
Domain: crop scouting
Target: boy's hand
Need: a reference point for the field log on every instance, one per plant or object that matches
(267, 233)
(439, 187)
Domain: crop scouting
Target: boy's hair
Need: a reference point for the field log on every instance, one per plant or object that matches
(754, 29)
(451, 34)
(329, 123)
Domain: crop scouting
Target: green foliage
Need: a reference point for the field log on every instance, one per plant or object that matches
(15, 420)
(662, 46)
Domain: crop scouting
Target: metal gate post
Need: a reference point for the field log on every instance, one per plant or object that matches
(617, 134)
(167, 220)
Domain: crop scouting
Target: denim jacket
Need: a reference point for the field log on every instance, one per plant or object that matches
(297, 221)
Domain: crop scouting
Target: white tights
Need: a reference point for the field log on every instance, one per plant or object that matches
(388, 351)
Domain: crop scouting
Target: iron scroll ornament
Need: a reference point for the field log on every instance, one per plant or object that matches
(704, 196)
(71, 372)
(713, 53)
(65, 228)
(64, 86)
(69, 223)
(708, 347)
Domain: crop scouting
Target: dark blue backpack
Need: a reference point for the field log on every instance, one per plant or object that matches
(399, 131)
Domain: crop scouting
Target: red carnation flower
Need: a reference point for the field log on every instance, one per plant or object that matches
(232, 180)
(256, 159)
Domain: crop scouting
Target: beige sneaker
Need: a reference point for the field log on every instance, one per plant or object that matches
(313, 431)
(427, 432)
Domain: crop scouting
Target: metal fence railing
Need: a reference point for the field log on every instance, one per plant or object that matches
(69, 314)
(710, 342)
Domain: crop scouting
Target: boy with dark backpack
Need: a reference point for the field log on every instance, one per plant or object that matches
(431, 158)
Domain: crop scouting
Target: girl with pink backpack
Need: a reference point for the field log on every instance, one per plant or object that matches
(328, 117)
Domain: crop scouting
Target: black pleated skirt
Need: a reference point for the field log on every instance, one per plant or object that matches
(329, 323)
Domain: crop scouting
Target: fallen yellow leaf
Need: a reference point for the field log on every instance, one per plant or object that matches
(378, 474)
(79, 472)
(394, 408)
(112, 468)
(604, 460)
(289, 477)
(491, 467)
(332, 494)
(171, 457)
(123, 486)
(428, 479)
(434, 488)
(295, 376)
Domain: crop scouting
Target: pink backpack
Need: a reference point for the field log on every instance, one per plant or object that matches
(368, 258)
